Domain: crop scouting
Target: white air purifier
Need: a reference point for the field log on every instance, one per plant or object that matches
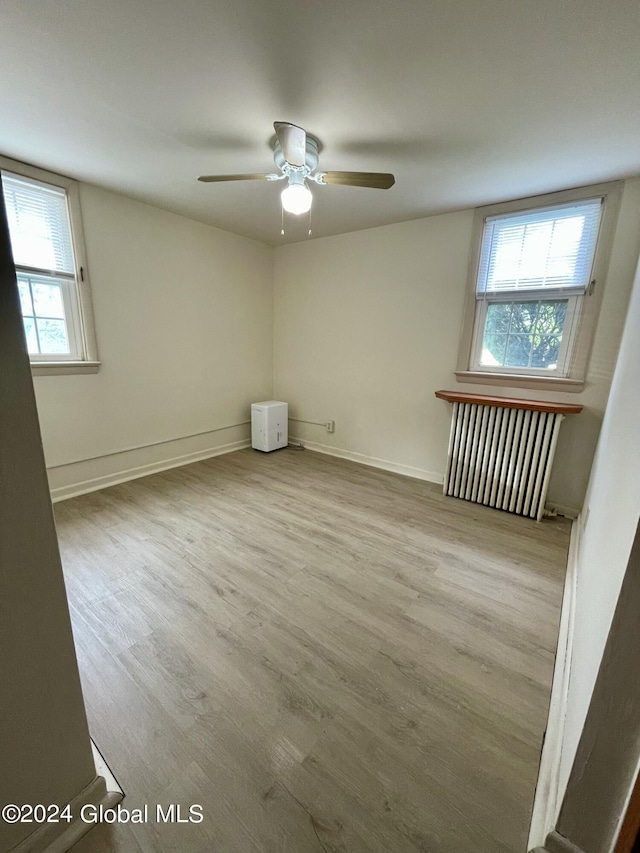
(269, 425)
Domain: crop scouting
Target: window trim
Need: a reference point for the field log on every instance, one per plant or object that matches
(611, 194)
(86, 332)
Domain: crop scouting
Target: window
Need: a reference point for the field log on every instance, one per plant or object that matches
(533, 273)
(46, 239)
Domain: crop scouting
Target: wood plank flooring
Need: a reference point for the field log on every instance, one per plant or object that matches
(325, 656)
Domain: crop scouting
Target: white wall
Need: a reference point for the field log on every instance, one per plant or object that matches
(367, 327)
(610, 517)
(183, 316)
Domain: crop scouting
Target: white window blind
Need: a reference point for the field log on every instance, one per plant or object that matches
(548, 249)
(39, 225)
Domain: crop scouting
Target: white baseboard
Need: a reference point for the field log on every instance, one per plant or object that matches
(548, 797)
(122, 475)
(557, 843)
(562, 509)
(373, 461)
(103, 769)
(60, 837)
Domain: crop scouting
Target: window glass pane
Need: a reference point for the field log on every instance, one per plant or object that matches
(30, 334)
(523, 334)
(518, 351)
(551, 317)
(47, 299)
(523, 317)
(498, 317)
(545, 352)
(493, 350)
(25, 296)
(53, 336)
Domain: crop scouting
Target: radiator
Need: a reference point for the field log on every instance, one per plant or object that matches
(501, 457)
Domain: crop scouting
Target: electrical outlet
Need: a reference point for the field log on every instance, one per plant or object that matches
(331, 426)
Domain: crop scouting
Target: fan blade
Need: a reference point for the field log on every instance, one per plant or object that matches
(293, 141)
(217, 178)
(375, 180)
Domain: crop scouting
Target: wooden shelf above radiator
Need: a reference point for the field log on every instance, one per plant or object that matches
(510, 403)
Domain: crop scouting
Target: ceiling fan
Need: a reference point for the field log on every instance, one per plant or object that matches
(295, 153)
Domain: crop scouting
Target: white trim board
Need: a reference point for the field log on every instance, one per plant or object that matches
(548, 797)
(562, 509)
(103, 769)
(373, 461)
(123, 475)
(557, 843)
(60, 837)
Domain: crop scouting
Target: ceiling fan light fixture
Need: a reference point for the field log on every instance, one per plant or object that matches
(295, 154)
(296, 198)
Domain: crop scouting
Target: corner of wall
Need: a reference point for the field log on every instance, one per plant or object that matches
(550, 786)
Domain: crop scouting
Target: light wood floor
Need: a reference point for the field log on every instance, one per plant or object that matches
(326, 657)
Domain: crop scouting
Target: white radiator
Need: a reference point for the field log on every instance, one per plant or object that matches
(501, 457)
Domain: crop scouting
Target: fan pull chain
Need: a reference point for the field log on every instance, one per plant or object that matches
(282, 221)
(309, 222)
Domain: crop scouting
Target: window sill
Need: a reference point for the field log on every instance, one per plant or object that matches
(543, 383)
(63, 368)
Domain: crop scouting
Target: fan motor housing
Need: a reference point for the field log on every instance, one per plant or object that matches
(311, 155)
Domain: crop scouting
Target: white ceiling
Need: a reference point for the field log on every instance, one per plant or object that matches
(465, 101)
